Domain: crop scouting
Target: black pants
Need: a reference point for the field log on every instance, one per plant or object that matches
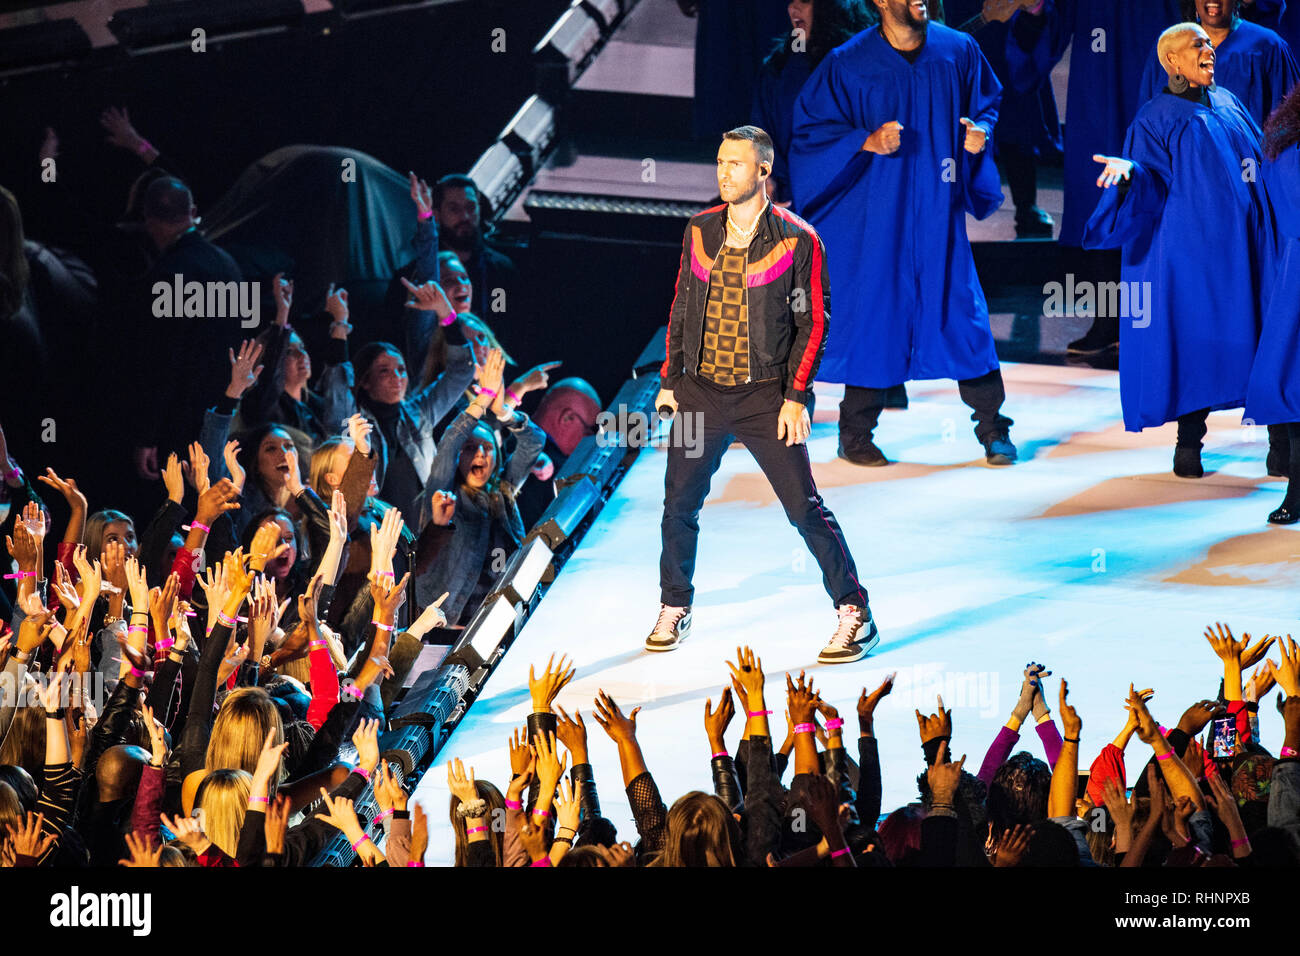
(748, 413)
(861, 407)
(1021, 169)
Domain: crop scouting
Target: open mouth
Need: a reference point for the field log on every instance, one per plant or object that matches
(1213, 9)
(480, 472)
(798, 24)
(919, 8)
(460, 298)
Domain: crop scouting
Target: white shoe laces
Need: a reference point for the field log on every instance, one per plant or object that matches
(668, 618)
(850, 623)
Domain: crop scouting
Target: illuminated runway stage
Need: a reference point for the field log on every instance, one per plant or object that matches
(1089, 555)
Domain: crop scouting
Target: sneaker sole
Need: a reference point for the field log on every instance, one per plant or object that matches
(661, 648)
(1096, 350)
(864, 648)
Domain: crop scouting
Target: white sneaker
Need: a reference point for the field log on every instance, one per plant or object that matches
(854, 636)
(673, 627)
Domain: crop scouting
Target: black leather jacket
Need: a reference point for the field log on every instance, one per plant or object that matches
(787, 293)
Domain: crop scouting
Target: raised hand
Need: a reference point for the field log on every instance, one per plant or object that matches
(717, 721)
(116, 122)
(144, 852)
(428, 297)
(621, 729)
(550, 765)
(388, 595)
(1147, 729)
(1071, 723)
(419, 834)
(543, 690)
(189, 830)
(748, 671)
(1194, 718)
(944, 776)
(535, 379)
(935, 725)
(26, 839)
(572, 732)
(157, 736)
(230, 455)
(429, 618)
(66, 487)
(459, 783)
(389, 792)
(801, 698)
(357, 428)
(216, 501)
(244, 368)
(366, 740)
(282, 292)
(867, 703)
(1287, 670)
(568, 809)
(276, 823)
(383, 542)
(197, 468)
(421, 195)
(266, 546)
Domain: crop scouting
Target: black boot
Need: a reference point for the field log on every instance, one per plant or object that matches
(985, 396)
(1279, 452)
(1289, 512)
(1187, 453)
(859, 413)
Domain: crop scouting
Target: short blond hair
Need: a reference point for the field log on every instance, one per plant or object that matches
(1168, 42)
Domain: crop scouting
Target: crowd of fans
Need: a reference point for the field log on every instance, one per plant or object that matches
(340, 482)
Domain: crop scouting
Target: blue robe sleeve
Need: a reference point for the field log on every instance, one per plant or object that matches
(983, 186)
(1282, 181)
(1283, 75)
(1035, 44)
(826, 153)
(1124, 215)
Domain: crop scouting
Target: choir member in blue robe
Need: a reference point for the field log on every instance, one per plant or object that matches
(1184, 202)
(1251, 62)
(1108, 42)
(816, 28)
(1273, 395)
(889, 153)
(731, 39)
(1028, 124)
(1278, 15)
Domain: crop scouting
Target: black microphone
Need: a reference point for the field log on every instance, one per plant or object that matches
(665, 412)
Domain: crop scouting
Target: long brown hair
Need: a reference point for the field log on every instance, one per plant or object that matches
(701, 832)
(496, 811)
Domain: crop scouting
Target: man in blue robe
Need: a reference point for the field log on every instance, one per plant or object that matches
(889, 154)
(1111, 41)
(1184, 203)
(1251, 61)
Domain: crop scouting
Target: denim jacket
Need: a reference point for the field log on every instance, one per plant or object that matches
(457, 567)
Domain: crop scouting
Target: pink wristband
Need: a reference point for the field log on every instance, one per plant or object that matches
(759, 713)
(1165, 756)
(448, 320)
(17, 575)
(413, 863)
(137, 627)
(490, 393)
(544, 861)
(382, 627)
(202, 527)
(840, 852)
(805, 728)
(381, 817)
(357, 846)
(513, 397)
(835, 724)
(472, 830)
(320, 643)
(427, 214)
(136, 672)
(514, 805)
(541, 813)
(1289, 752)
(222, 619)
(351, 691)
(363, 771)
(163, 645)
(1244, 841)
(252, 800)
(144, 147)
(720, 753)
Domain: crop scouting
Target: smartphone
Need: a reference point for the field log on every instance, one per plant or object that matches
(1225, 737)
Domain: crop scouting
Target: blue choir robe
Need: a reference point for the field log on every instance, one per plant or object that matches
(732, 37)
(1280, 16)
(1111, 42)
(1027, 119)
(773, 111)
(1273, 396)
(1199, 247)
(908, 301)
(1253, 62)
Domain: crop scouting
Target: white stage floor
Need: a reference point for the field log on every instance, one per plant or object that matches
(1089, 555)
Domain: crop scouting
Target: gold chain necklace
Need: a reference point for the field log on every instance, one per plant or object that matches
(744, 237)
